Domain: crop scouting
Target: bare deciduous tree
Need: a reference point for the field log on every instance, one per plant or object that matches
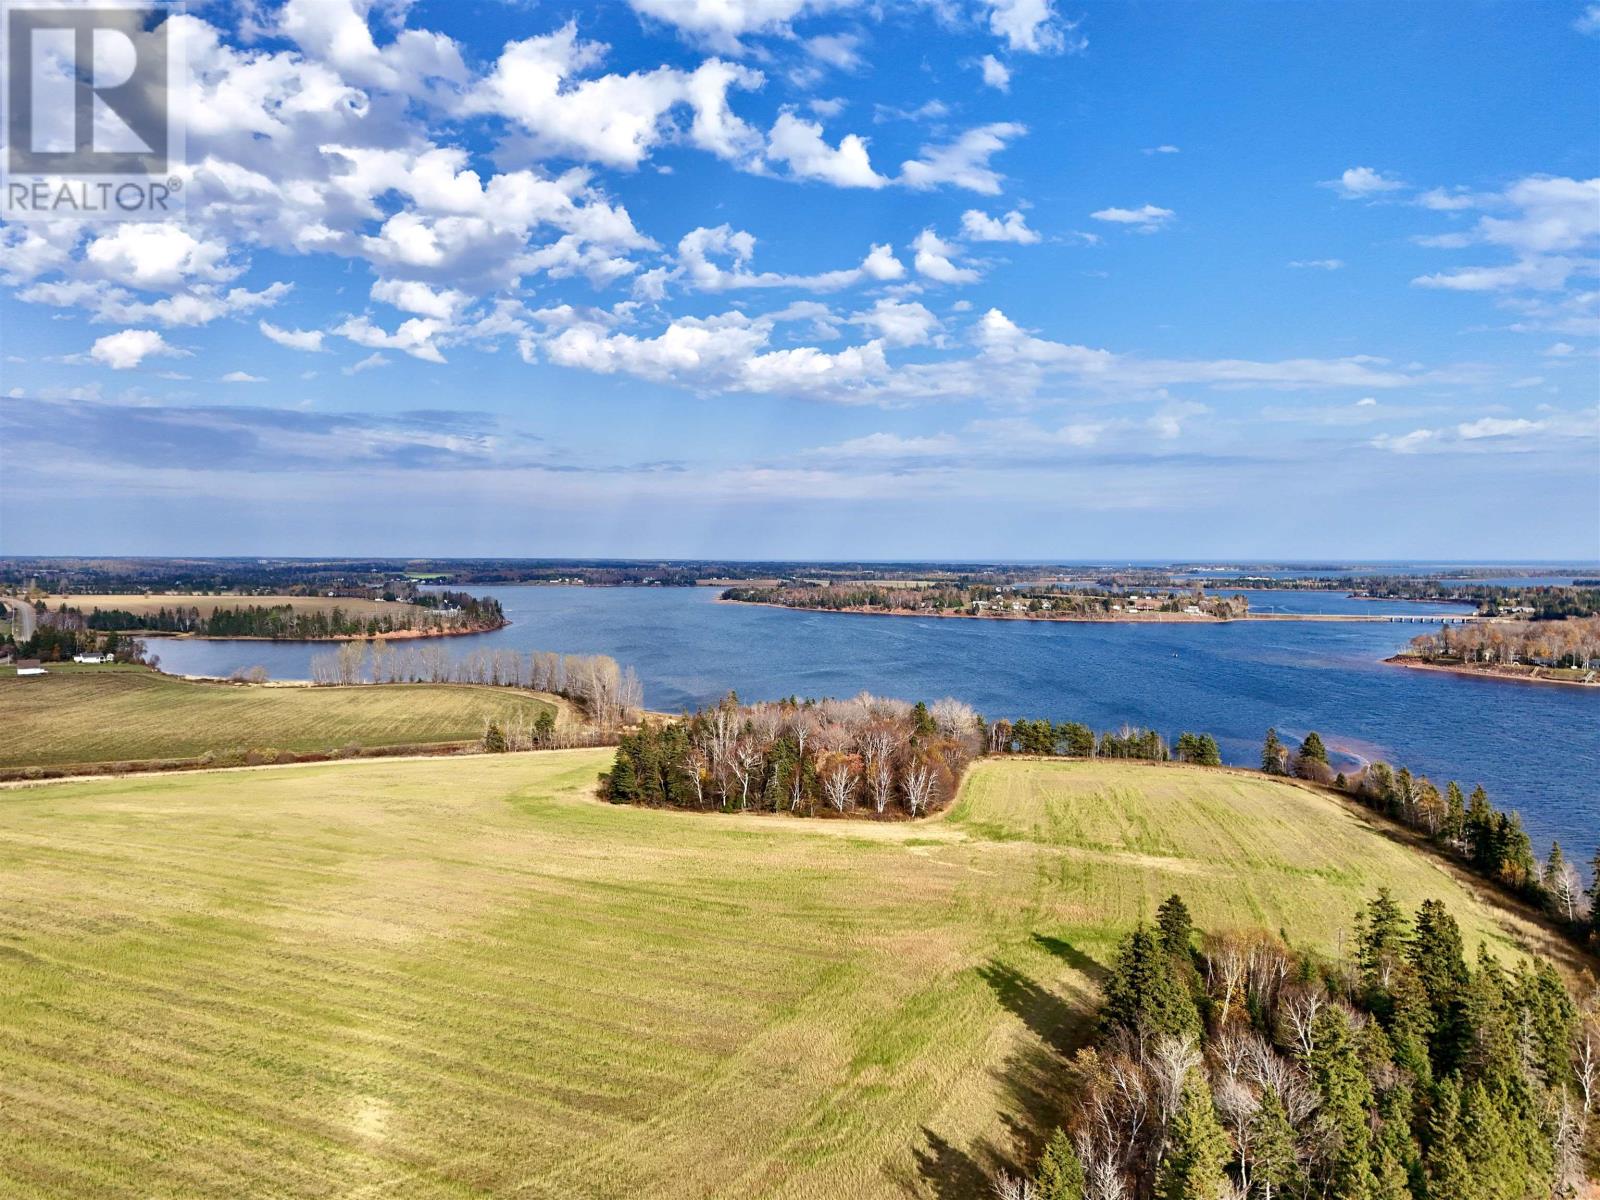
(839, 784)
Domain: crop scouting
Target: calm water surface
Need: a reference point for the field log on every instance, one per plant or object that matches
(1535, 748)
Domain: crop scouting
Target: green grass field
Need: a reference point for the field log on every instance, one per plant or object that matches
(82, 715)
(468, 978)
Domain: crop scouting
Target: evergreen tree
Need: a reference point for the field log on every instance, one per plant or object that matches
(1548, 1019)
(1199, 1147)
(622, 785)
(1273, 755)
(1078, 739)
(1410, 1023)
(1144, 995)
(1176, 927)
(1341, 1081)
(494, 739)
(1517, 865)
(1275, 1168)
(1450, 1176)
(1311, 760)
(1380, 942)
(1554, 864)
(1479, 828)
(1436, 955)
(1060, 1175)
(1397, 1165)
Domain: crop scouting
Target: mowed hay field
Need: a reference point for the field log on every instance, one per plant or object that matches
(148, 605)
(80, 716)
(468, 978)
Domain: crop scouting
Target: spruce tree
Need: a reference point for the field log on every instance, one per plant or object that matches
(1479, 829)
(1396, 1162)
(1273, 754)
(1450, 1176)
(1554, 864)
(1144, 995)
(1176, 927)
(622, 787)
(1060, 1175)
(1193, 1168)
(1441, 968)
(1380, 942)
(1275, 1169)
(1341, 1081)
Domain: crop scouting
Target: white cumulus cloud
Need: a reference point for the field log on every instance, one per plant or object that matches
(127, 349)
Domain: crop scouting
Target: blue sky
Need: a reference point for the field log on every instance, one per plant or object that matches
(818, 278)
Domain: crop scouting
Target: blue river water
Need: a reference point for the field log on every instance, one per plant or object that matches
(1535, 748)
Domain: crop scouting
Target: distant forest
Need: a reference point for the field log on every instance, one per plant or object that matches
(448, 612)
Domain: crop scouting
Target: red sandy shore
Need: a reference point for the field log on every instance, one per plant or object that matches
(392, 636)
(1487, 671)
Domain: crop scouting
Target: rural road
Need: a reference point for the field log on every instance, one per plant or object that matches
(24, 617)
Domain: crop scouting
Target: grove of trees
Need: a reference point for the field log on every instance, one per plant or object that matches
(865, 756)
(1573, 642)
(1240, 1067)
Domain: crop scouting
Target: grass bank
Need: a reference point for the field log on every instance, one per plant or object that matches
(469, 978)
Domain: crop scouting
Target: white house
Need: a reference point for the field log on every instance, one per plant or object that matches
(91, 658)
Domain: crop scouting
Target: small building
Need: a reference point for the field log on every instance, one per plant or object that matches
(93, 659)
(32, 671)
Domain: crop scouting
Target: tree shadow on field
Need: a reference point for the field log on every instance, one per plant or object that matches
(1034, 1079)
(1072, 956)
(951, 1171)
(1052, 1019)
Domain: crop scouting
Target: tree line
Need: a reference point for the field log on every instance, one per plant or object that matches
(985, 599)
(1573, 642)
(285, 622)
(1073, 739)
(864, 756)
(610, 695)
(1240, 1067)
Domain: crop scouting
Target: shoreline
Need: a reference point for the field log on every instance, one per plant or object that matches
(1152, 618)
(392, 635)
(1412, 663)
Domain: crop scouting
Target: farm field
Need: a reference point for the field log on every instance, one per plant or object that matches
(141, 605)
(76, 715)
(467, 977)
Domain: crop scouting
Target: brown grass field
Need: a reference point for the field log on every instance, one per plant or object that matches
(469, 978)
(79, 716)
